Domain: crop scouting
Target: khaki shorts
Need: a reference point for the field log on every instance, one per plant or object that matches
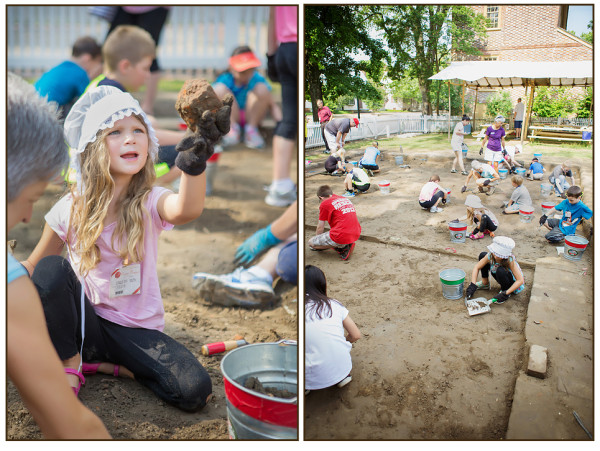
(324, 239)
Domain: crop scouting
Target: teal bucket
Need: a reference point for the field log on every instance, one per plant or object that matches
(538, 156)
(453, 281)
(503, 173)
(520, 171)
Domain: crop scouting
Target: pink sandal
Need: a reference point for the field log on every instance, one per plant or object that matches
(477, 237)
(92, 368)
(81, 379)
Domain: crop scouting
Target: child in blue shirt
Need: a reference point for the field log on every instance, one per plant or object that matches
(572, 211)
(536, 170)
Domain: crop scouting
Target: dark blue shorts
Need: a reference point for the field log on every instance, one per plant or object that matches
(518, 124)
(287, 265)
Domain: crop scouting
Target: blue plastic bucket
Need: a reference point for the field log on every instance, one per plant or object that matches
(538, 156)
(586, 135)
(503, 173)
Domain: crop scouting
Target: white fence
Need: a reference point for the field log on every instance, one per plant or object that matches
(385, 126)
(193, 38)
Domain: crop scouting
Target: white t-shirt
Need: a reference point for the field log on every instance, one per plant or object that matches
(457, 140)
(520, 110)
(327, 353)
(143, 310)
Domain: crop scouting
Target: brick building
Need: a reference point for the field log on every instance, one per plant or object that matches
(530, 33)
(526, 33)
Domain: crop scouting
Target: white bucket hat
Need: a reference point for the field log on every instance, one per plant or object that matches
(473, 201)
(99, 109)
(499, 118)
(502, 246)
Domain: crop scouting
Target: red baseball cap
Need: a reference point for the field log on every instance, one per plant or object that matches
(356, 122)
(244, 61)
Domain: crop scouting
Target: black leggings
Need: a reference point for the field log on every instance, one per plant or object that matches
(159, 362)
(485, 224)
(430, 203)
(286, 62)
(502, 275)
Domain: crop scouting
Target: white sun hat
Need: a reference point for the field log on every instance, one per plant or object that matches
(473, 201)
(502, 246)
(99, 109)
(499, 118)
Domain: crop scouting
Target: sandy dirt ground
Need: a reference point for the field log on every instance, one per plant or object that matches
(424, 369)
(234, 211)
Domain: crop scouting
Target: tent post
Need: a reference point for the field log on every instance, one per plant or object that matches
(463, 99)
(449, 110)
(475, 108)
(527, 114)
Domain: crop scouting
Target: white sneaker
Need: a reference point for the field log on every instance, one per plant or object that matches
(252, 137)
(436, 209)
(233, 137)
(239, 288)
(280, 198)
(345, 381)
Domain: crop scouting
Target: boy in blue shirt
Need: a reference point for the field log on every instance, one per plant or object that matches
(572, 211)
(371, 158)
(65, 83)
(535, 171)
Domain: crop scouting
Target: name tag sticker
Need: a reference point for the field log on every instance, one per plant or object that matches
(126, 280)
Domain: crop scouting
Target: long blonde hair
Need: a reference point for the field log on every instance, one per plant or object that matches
(89, 209)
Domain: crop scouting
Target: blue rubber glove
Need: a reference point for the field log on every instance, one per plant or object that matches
(254, 245)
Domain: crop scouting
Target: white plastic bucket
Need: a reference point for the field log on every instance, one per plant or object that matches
(526, 214)
(575, 247)
(546, 189)
(453, 281)
(448, 196)
(458, 232)
(384, 187)
(538, 156)
(503, 173)
(257, 416)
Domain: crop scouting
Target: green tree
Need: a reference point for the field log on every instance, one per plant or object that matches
(405, 89)
(499, 103)
(334, 37)
(589, 36)
(420, 38)
(554, 101)
(584, 106)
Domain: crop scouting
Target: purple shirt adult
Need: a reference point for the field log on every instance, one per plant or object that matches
(495, 138)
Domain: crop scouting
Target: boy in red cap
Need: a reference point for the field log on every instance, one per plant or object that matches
(253, 98)
(340, 214)
(336, 131)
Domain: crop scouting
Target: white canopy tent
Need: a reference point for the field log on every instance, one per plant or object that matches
(507, 74)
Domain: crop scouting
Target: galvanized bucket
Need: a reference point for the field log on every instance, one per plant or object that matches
(257, 416)
(547, 207)
(575, 247)
(458, 232)
(546, 189)
(526, 214)
(452, 283)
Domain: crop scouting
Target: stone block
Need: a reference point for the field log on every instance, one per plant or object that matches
(538, 361)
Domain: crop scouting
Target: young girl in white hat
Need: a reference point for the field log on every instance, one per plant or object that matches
(503, 266)
(485, 220)
(103, 305)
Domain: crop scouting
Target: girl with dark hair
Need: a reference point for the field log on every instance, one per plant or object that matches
(327, 350)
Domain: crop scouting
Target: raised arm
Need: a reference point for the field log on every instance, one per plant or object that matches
(188, 204)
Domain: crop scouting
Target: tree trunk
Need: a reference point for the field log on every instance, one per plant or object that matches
(314, 89)
(426, 104)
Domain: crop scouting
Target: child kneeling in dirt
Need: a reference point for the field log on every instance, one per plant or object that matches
(356, 179)
(519, 198)
(479, 214)
(432, 194)
(327, 352)
(340, 214)
(335, 163)
(536, 170)
(573, 209)
(484, 175)
(503, 266)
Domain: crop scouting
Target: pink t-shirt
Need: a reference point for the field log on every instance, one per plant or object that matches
(286, 23)
(144, 310)
(428, 190)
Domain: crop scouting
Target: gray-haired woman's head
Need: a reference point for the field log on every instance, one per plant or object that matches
(35, 144)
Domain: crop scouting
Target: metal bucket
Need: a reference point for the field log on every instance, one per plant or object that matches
(575, 247)
(503, 173)
(458, 232)
(546, 189)
(384, 187)
(448, 196)
(399, 160)
(253, 415)
(526, 214)
(452, 283)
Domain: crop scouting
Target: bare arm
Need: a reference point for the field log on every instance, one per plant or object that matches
(352, 329)
(480, 264)
(320, 227)
(188, 204)
(34, 367)
(287, 224)
(271, 35)
(49, 244)
(518, 276)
